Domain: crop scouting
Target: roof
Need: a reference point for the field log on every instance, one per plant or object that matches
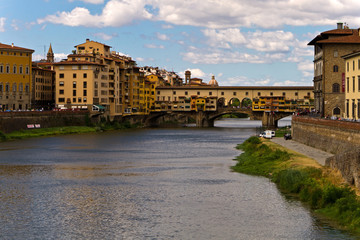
(93, 42)
(76, 63)
(12, 47)
(350, 55)
(345, 36)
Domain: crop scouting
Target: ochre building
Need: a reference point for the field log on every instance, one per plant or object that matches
(15, 77)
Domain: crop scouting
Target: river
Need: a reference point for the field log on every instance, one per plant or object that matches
(145, 184)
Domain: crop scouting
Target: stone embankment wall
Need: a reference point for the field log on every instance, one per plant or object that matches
(14, 121)
(337, 137)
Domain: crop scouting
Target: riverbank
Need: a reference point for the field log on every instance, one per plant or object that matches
(41, 132)
(321, 188)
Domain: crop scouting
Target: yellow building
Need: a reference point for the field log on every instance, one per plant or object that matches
(352, 86)
(94, 75)
(15, 77)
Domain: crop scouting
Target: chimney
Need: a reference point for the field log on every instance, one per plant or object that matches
(340, 25)
(87, 40)
(12, 45)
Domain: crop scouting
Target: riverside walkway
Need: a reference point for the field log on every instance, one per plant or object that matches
(316, 154)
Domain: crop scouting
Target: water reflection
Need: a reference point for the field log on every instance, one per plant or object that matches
(144, 184)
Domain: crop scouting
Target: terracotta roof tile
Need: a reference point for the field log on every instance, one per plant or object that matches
(5, 46)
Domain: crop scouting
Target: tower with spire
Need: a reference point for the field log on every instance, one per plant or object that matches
(50, 55)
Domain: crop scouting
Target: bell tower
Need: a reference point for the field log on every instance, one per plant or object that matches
(50, 55)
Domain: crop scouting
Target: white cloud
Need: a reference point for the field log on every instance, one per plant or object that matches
(154, 46)
(245, 81)
(115, 13)
(14, 25)
(220, 57)
(223, 38)
(270, 41)
(214, 14)
(293, 83)
(2, 24)
(167, 26)
(162, 37)
(60, 56)
(104, 36)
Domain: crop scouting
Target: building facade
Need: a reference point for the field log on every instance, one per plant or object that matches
(42, 88)
(329, 68)
(94, 75)
(15, 77)
(352, 86)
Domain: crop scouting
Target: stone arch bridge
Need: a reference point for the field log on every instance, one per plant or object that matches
(207, 118)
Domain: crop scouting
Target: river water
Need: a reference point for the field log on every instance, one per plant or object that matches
(145, 184)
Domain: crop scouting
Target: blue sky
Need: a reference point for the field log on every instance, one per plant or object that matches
(241, 42)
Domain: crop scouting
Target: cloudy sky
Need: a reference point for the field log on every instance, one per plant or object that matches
(241, 42)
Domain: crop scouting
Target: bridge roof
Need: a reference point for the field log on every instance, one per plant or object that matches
(240, 87)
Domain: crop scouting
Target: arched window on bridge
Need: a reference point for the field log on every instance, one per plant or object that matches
(336, 111)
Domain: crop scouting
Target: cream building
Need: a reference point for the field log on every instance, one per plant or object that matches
(352, 86)
(15, 77)
(94, 75)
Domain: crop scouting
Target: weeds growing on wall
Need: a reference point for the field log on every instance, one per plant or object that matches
(310, 184)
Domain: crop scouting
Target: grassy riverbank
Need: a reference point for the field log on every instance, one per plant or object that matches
(321, 188)
(28, 133)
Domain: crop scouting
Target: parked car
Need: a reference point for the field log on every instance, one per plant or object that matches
(287, 136)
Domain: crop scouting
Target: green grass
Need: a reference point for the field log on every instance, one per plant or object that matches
(281, 131)
(314, 186)
(40, 132)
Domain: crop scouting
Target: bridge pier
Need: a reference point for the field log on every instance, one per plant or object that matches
(203, 120)
(269, 121)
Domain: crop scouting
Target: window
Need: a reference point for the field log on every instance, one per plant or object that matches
(79, 99)
(336, 88)
(347, 84)
(74, 75)
(259, 93)
(74, 84)
(75, 67)
(61, 67)
(186, 93)
(353, 84)
(7, 87)
(27, 88)
(27, 70)
(7, 69)
(85, 93)
(308, 94)
(14, 87)
(61, 75)
(234, 93)
(336, 53)
(198, 93)
(284, 93)
(222, 93)
(335, 68)
(61, 91)
(21, 69)
(296, 94)
(1, 68)
(347, 66)
(61, 100)
(74, 100)
(359, 83)
(14, 69)
(336, 111)
(85, 75)
(84, 84)
(247, 93)
(158, 92)
(210, 93)
(174, 92)
(353, 65)
(85, 99)
(1, 87)
(271, 93)
(74, 92)
(61, 83)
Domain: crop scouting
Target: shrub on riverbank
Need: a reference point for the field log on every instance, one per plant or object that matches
(314, 186)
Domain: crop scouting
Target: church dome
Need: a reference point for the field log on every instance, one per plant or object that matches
(213, 82)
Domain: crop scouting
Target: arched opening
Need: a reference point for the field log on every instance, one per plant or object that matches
(234, 103)
(336, 111)
(221, 103)
(246, 103)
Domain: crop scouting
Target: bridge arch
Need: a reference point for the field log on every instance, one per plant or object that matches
(221, 102)
(234, 102)
(246, 103)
